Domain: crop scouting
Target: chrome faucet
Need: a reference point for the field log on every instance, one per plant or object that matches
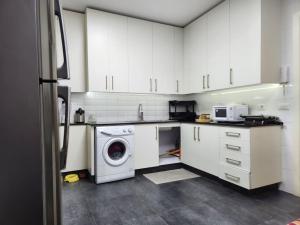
(141, 112)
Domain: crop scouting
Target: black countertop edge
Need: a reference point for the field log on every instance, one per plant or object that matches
(132, 123)
(241, 125)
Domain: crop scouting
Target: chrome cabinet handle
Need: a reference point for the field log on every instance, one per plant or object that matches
(233, 162)
(151, 85)
(198, 134)
(155, 85)
(177, 83)
(112, 82)
(195, 134)
(156, 133)
(207, 80)
(230, 77)
(232, 178)
(203, 82)
(232, 147)
(232, 134)
(105, 82)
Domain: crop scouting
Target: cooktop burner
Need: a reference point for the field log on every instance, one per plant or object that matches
(261, 120)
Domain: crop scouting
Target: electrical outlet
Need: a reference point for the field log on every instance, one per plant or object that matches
(261, 107)
(284, 106)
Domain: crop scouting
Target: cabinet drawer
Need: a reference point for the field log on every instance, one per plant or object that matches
(236, 146)
(235, 159)
(235, 175)
(229, 133)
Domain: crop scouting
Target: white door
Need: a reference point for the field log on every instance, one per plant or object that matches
(118, 54)
(195, 44)
(245, 42)
(218, 71)
(77, 154)
(146, 150)
(208, 152)
(189, 144)
(178, 60)
(97, 31)
(140, 56)
(163, 59)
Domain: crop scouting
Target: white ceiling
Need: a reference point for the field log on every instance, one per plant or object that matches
(174, 12)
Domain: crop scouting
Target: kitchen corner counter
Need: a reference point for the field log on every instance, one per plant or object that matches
(241, 125)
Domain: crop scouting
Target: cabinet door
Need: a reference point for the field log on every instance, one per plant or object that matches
(97, 26)
(75, 34)
(195, 53)
(245, 42)
(146, 151)
(77, 151)
(140, 56)
(189, 144)
(218, 71)
(163, 59)
(208, 152)
(118, 55)
(178, 60)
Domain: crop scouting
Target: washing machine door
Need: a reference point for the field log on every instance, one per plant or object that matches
(116, 151)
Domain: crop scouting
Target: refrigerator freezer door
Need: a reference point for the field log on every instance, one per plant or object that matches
(51, 154)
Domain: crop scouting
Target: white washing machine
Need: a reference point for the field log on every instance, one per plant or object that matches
(114, 153)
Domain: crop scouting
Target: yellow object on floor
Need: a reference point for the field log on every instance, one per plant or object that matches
(71, 178)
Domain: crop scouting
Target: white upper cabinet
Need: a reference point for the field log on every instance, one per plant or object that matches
(75, 34)
(140, 56)
(245, 34)
(235, 44)
(178, 60)
(163, 59)
(118, 54)
(195, 55)
(254, 42)
(218, 72)
(106, 51)
(97, 50)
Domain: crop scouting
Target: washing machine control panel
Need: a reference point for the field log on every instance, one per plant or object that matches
(115, 130)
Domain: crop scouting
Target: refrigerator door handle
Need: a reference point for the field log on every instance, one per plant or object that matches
(62, 72)
(64, 93)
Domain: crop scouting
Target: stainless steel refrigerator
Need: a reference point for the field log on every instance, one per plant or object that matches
(30, 157)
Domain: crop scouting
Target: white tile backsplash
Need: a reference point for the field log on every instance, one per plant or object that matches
(105, 107)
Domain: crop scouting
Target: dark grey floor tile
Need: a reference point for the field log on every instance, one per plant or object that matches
(194, 201)
(146, 220)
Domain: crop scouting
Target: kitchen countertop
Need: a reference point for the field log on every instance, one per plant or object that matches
(234, 124)
(170, 121)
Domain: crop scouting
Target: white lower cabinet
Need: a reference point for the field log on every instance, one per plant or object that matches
(77, 151)
(146, 149)
(248, 157)
(200, 147)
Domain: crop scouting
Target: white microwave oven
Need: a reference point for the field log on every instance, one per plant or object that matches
(230, 113)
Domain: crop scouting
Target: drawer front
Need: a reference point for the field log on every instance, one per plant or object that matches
(235, 175)
(235, 159)
(237, 146)
(229, 133)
